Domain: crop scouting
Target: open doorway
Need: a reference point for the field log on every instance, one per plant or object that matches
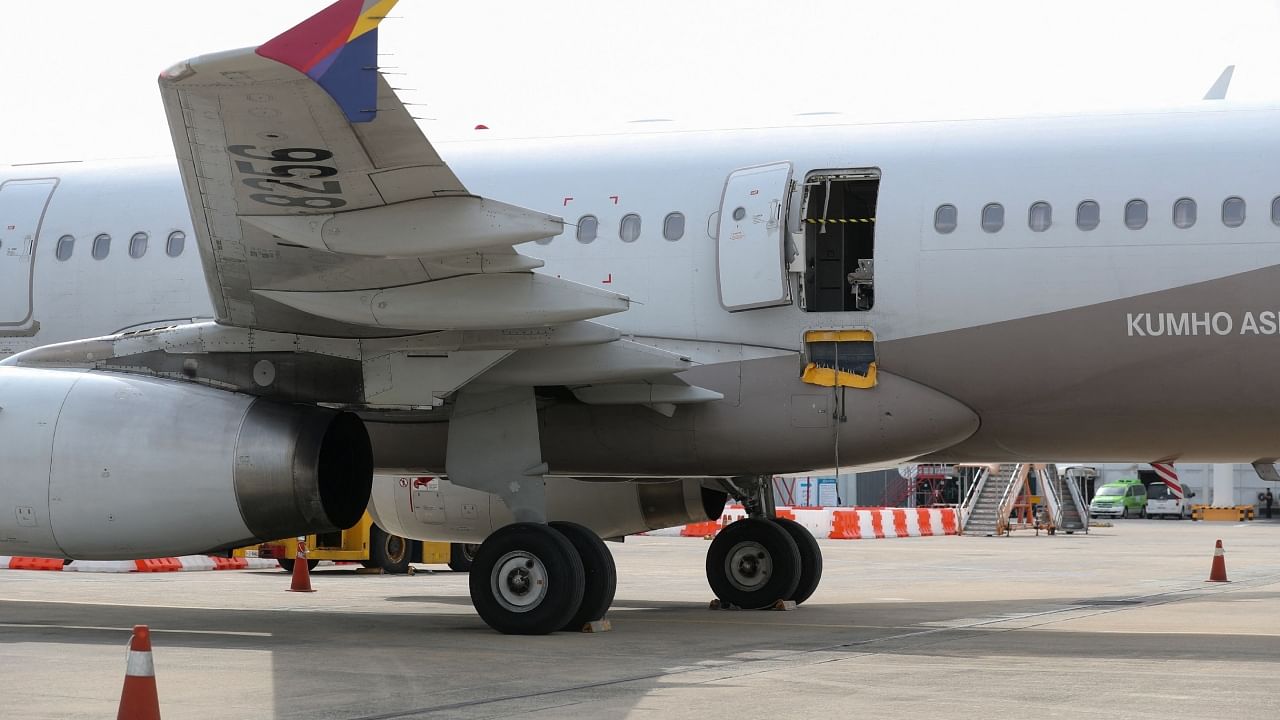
(839, 223)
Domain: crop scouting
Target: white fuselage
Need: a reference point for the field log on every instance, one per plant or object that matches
(927, 283)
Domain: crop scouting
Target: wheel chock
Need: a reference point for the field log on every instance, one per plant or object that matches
(597, 626)
(718, 604)
(369, 571)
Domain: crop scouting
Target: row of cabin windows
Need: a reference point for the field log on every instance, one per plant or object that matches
(101, 247)
(1089, 215)
(628, 228)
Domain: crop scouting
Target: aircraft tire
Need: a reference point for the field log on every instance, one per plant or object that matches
(286, 564)
(462, 555)
(753, 563)
(810, 559)
(390, 552)
(599, 569)
(527, 579)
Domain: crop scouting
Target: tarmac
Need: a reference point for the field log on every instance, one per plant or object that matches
(1119, 623)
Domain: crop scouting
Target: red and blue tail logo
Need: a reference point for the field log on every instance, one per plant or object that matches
(338, 48)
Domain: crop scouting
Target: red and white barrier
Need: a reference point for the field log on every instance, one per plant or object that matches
(840, 523)
(185, 563)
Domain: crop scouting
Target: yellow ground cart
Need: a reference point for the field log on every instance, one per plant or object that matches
(369, 545)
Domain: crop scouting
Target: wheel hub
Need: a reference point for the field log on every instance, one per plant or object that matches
(395, 548)
(748, 566)
(519, 581)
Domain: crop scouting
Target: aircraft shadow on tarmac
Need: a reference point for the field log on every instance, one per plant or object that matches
(390, 664)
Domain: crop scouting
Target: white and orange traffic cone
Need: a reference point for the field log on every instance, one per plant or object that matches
(301, 573)
(138, 699)
(1218, 573)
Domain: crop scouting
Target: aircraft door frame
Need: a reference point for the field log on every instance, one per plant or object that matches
(23, 204)
(751, 268)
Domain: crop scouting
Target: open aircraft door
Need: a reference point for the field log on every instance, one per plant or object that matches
(22, 204)
(749, 243)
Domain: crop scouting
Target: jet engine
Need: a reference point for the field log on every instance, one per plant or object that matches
(432, 508)
(116, 466)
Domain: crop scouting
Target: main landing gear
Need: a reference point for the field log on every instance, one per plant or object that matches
(756, 562)
(533, 579)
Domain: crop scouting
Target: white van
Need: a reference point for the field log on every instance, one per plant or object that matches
(1163, 503)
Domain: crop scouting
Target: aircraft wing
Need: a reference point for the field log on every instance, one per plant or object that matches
(322, 209)
(347, 262)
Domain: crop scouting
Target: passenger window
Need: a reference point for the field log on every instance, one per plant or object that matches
(1184, 213)
(1233, 212)
(1135, 214)
(629, 228)
(101, 246)
(66, 245)
(944, 219)
(1040, 217)
(138, 245)
(588, 228)
(1088, 215)
(176, 242)
(673, 226)
(993, 217)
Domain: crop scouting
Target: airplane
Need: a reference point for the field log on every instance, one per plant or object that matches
(583, 338)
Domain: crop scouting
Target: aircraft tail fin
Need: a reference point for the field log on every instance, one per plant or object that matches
(1221, 85)
(338, 49)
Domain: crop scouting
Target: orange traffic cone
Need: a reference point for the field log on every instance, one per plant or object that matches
(301, 573)
(1218, 573)
(138, 699)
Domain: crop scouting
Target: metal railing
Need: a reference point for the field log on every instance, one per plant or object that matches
(975, 491)
(1008, 498)
(1048, 483)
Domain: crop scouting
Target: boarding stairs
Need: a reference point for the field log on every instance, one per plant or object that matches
(1066, 506)
(985, 510)
(1001, 500)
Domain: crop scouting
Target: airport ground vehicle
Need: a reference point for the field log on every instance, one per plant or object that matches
(1164, 502)
(1123, 498)
(373, 547)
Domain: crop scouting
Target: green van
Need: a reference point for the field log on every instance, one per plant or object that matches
(1124, 498)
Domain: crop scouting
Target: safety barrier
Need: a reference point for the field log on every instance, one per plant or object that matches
(172, 564)
(839, 523)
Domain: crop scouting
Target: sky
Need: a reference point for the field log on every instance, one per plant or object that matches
(79, 75)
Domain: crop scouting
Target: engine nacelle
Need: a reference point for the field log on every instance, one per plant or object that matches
(432, 508)
(115, 466)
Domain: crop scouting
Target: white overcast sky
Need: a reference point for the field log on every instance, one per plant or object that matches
(79, 75)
